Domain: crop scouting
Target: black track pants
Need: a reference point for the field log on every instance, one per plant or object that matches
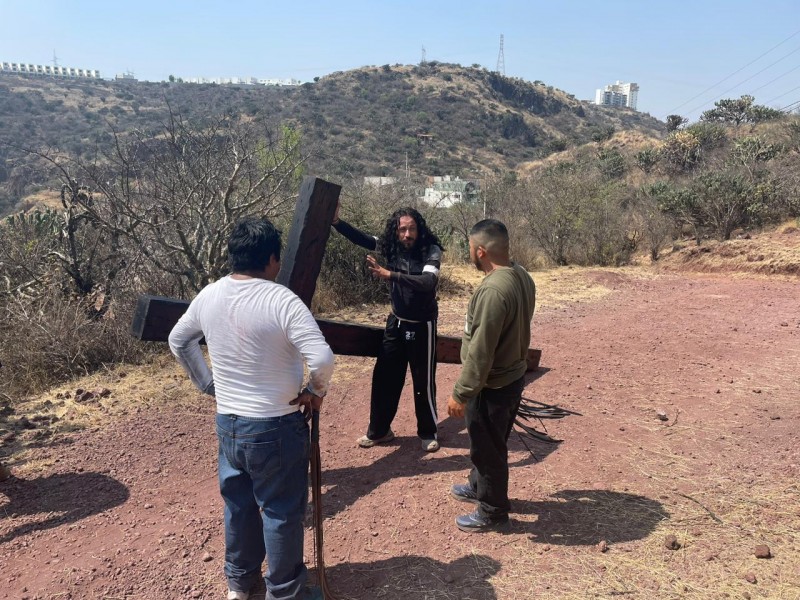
(404, 344)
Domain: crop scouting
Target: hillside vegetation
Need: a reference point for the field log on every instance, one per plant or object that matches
(436, 118)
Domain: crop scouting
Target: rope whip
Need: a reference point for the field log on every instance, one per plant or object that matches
(316, 496)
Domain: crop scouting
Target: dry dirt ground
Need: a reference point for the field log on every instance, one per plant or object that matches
(115, 496)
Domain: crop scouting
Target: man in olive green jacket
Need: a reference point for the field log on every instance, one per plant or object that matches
(489, 390)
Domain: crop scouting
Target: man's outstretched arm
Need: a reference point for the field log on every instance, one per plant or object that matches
(356, 236)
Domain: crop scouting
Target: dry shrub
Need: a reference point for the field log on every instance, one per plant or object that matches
(54, 337)
(344, 279)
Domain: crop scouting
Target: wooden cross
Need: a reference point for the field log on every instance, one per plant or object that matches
(155, 316)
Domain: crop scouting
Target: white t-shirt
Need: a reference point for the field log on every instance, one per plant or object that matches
(259, 334)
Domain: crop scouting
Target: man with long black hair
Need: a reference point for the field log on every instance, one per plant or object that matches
(413, 255)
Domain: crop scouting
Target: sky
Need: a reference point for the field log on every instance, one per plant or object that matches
(685, 55)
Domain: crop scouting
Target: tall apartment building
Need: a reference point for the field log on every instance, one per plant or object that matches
(47, 70)
(618, 94)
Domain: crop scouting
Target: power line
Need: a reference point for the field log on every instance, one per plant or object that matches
(746, 80)
(782, 95)
(735, 72)
(776, 79)
(791, 107)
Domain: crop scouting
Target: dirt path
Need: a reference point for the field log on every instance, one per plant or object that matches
(130, 509)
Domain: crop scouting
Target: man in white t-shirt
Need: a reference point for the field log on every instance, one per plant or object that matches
(259, 336)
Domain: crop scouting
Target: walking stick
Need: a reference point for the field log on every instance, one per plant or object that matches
(316, 495)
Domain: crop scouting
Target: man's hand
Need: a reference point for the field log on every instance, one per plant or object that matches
(377, 270)
(309, 403)
(454, 408)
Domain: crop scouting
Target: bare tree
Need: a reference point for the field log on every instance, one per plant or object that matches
(176, 195)
(172, 196)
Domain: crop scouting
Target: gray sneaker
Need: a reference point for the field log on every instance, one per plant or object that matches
(464, 492)
(365, 442)
(430, 445)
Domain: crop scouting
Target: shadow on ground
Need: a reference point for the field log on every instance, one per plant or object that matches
(407, 460)
(411, 578)
(587, 517)
(55, 500)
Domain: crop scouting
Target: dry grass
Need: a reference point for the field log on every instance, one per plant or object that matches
(627, 142)
(43, 200)
(132, 389)
(771, 253)
(646, 568)
(717, 527)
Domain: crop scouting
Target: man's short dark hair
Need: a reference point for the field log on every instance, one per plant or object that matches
(251, 244)
(491, 234)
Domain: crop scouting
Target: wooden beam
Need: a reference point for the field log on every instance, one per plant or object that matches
(302, 259)
(365, 340)
(155, 317)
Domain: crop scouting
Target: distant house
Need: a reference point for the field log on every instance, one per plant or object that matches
(280, 82)
(446, 191)
(243, 81)
(379, 181)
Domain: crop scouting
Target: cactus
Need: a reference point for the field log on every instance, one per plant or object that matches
(40, 222)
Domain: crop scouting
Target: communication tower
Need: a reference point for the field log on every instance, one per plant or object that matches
(501, 59)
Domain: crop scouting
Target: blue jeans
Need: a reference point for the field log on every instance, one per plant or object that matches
(263, 479)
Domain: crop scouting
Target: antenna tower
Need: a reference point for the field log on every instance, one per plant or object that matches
(501, 59)
(422, 61)
(55, 60)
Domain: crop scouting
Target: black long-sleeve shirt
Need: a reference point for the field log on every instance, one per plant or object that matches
(414, 276)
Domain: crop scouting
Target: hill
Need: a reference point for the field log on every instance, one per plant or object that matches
(437, 119)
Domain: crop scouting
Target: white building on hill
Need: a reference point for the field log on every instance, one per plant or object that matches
(618, 94)
(445, 191)
(48, 71)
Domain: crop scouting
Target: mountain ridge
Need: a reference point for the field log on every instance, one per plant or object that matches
(433, 118)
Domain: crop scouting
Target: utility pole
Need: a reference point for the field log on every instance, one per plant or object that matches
(501, 59)
(55, 60)
(422, 60)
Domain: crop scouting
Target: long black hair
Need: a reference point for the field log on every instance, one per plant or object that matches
(388, 244)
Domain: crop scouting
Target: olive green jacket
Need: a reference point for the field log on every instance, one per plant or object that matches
(497, 332)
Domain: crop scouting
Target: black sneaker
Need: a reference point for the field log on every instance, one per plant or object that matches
(476, 523)
(464, 492)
